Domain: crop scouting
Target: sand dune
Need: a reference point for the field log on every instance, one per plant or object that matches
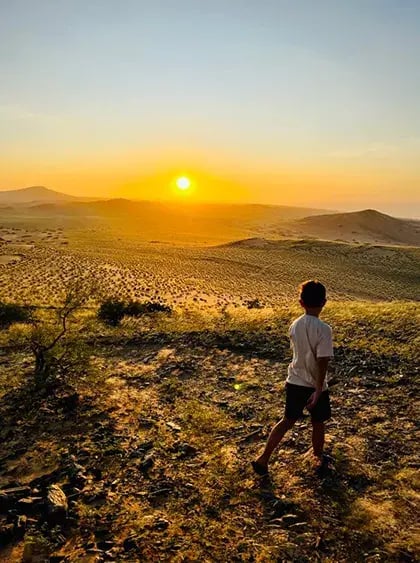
(362, 226)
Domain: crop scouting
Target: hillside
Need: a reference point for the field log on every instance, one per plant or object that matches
(201, 275)
(149, 427)
(362, 226)
(34, 194)
(190, 223)
(245, 215)
(150, 442)
(205, 223)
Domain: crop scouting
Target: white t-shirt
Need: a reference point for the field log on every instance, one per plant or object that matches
(310, 338)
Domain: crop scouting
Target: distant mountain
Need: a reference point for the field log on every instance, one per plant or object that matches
(272, 213)
(34, 194)
(250, 223)
(363, 226)
(169, 221)
(207, 217)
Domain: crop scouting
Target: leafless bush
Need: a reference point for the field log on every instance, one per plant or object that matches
(52, 338)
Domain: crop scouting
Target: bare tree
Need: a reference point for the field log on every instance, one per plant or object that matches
(48, 337)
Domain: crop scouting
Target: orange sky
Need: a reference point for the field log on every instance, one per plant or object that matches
(335, 181)
(295, 103)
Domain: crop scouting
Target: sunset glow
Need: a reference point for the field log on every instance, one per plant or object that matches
(274, 104)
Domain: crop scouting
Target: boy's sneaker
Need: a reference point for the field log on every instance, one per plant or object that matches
(261, 470)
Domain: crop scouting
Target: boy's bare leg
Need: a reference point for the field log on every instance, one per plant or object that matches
(273, 441)
(318, 438)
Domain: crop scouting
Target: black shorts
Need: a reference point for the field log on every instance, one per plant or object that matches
(296, 398)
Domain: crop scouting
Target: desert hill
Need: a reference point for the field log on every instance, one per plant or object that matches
(42, 200)
(207, 222)
(363, 226)
(33, 194)
(159, 220)
(271, 214)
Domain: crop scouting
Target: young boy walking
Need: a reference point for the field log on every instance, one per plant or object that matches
(306, 386)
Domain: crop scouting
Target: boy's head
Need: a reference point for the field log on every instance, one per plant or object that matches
(313, 295)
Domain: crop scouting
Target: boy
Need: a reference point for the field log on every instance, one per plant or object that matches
(311, 341)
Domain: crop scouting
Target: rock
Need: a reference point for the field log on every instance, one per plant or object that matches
(141, 449)
(146, 422)
(161, 524)
(9, 497)
(21, 523)
(173, 426)
(289, 519)
(29, 505)
(6, 533)
(298, 526)
(94, 550)
(68, 401)
(106, 545)
(130, 543)
(36, 549)
(57, 505)
(147, 463)
(186, 450)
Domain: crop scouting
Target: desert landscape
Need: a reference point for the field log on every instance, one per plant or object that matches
(209, 281)
(147, 425)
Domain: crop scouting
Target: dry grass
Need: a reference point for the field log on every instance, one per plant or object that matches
(207, 276)
(198, 390)
(204, 407)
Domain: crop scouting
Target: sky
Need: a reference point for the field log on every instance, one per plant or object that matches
(290, 102)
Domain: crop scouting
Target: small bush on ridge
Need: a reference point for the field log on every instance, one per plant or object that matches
(11, 313)
(137, 308)
(111, 312)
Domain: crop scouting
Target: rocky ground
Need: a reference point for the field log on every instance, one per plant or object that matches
(146, 456)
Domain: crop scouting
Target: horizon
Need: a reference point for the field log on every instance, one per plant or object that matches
(296, 105)
(193, 202)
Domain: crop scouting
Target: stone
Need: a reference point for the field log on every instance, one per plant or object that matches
(147, 463)
(161, 524)
(130, 543)
(57, 505)
(9, 497)
(289, 519)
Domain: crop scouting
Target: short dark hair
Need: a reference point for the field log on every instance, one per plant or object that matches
(313, 293)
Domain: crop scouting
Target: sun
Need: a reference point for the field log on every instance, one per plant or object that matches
(183, 183)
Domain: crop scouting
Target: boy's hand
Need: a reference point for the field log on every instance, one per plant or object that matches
(313, 399)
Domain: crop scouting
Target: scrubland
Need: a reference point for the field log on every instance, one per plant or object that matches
(212, 275)
(151, 436)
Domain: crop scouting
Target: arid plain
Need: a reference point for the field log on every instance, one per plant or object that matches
(148, 427)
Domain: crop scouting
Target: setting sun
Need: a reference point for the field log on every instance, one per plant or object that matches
(183, 183)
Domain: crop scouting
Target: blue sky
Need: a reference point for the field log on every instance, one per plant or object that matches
(275, 96)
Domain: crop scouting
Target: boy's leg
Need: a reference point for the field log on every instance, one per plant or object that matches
(318, 438)
(320, 413)
(273, 441)
(296, 399)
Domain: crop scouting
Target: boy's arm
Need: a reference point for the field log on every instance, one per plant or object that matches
(322, 365)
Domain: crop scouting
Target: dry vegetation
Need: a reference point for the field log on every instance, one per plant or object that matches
(151, 441)
(229, 274)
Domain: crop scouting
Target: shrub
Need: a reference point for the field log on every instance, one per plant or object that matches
(137, 308)
(254, 304)
(111, 312)
(11, 313)
(54, 351)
